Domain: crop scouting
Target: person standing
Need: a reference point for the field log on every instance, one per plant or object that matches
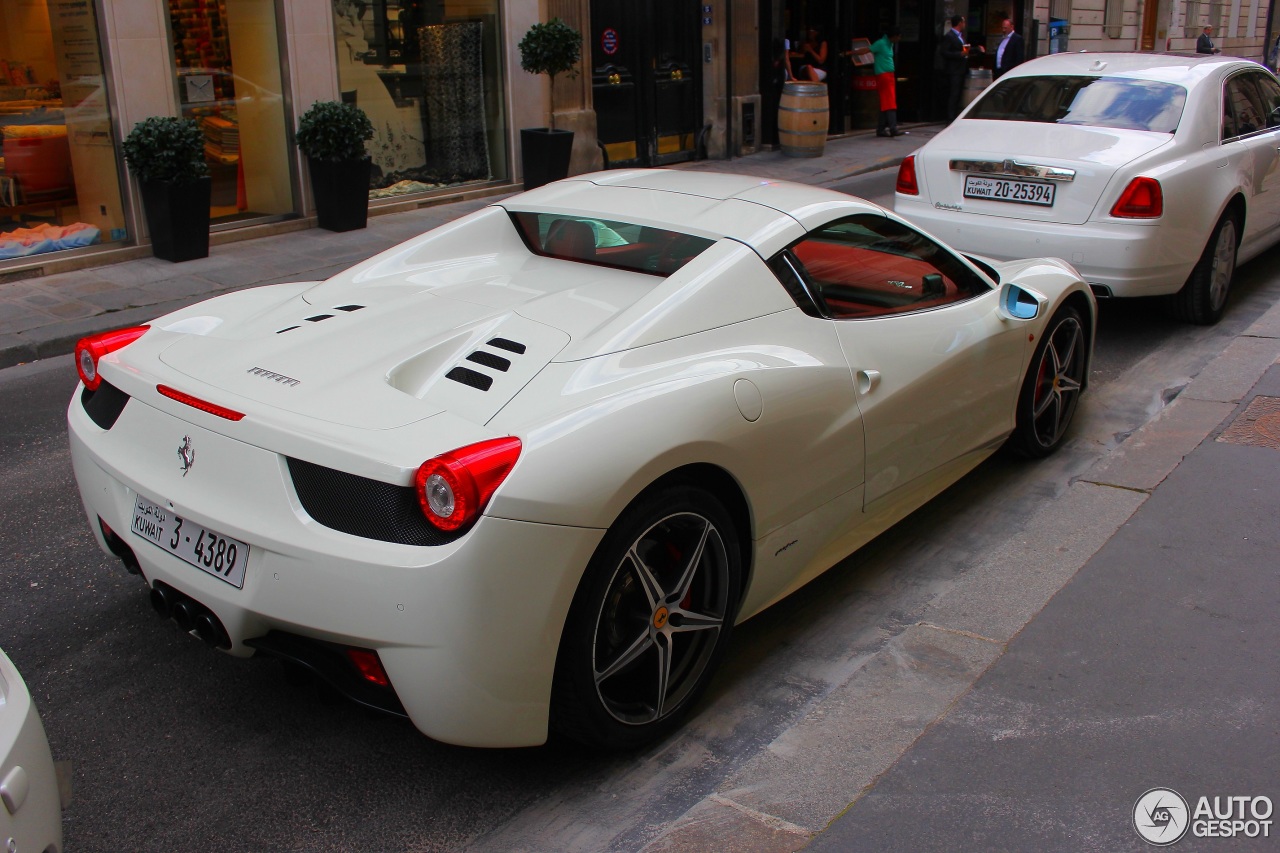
(1010, 51)
(1204, 44)
(955, 62)
(886, 84)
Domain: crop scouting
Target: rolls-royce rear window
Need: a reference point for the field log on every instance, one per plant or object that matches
(1117, 102)
(609, 243)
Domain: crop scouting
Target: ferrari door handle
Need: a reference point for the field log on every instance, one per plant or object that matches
(867, 380)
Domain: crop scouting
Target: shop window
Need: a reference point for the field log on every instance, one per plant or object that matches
(428, 76)
(229, 82)
(59, 179)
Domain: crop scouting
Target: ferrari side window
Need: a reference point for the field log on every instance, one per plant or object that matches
(871, 266)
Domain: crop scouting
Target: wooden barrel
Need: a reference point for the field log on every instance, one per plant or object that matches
(975, 83)
(802, 119)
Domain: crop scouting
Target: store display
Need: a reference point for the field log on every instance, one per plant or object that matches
(59, 188)
(453, 88)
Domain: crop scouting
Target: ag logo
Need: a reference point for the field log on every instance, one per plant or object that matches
(1161, 816)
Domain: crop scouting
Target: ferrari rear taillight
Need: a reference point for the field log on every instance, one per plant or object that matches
(454, 487)
(907, 177)
(89, 350)
(1142, 199)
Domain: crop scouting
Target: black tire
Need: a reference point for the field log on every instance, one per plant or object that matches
(1051, 390)
(650, 621)
(1203, 299)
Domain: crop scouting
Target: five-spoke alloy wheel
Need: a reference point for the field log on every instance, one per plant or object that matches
(650, 621)
(1052, 388)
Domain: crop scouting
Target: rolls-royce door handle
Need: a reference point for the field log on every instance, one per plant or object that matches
(867, 380)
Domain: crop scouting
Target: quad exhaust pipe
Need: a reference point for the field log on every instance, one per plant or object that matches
(189, 614)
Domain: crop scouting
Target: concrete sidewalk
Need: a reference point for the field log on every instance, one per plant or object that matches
(44, 316)
(1155, 666)
(1124, 639)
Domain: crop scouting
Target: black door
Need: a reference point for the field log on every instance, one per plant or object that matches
(646, 80)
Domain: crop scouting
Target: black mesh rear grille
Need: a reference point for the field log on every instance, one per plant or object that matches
(105, 404)
(362, 507)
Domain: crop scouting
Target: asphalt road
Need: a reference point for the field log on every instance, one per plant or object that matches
(175, 747)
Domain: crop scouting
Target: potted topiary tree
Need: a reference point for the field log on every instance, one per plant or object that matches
(332, 136)
(166, 154)
(551, 48)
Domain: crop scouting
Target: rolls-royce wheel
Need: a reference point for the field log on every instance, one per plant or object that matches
(1203, 299)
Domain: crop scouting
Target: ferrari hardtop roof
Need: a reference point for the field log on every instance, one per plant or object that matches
(1183, 69)
(749, 209)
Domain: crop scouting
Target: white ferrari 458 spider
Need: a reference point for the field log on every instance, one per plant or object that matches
(525, 472)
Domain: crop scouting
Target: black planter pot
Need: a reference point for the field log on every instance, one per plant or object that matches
(341, 191)
(178, 218)
(544, 155)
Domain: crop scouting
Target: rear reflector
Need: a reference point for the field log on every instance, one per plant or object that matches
(370, 667)
(197, 403)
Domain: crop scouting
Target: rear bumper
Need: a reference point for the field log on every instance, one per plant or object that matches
(1129, 260)
(467, 632)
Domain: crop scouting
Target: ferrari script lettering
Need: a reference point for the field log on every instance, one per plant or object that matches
(273, 376)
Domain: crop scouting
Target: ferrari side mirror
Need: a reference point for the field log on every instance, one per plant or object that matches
(1019, 303)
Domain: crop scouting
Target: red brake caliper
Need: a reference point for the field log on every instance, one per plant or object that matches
(675, 555)
(1040, 383)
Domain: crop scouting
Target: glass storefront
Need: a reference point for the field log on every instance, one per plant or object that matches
(428, 75)
(228, 65)
(59, 174)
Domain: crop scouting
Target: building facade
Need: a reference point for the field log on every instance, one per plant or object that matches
(441, 82)
(438, 78)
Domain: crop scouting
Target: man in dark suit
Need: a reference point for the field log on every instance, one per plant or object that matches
(1010, 51)
(1204, 44)
(955, 63)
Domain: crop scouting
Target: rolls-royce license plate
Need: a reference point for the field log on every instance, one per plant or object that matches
(1007, 189)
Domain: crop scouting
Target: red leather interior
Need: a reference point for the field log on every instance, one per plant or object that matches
(859, 282)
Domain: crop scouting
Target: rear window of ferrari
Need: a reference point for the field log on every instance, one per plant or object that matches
(1118, 102)
(608, 243)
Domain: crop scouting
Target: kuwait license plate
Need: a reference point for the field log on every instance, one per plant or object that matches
(207, 550)
(1005, 189)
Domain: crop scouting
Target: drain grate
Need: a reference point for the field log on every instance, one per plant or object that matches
(1257, 426)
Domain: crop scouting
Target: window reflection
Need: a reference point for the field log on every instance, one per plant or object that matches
(229, 82)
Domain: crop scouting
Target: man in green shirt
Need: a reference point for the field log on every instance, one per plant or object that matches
(882, 49)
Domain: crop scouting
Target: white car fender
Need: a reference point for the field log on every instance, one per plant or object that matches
(719, 407)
